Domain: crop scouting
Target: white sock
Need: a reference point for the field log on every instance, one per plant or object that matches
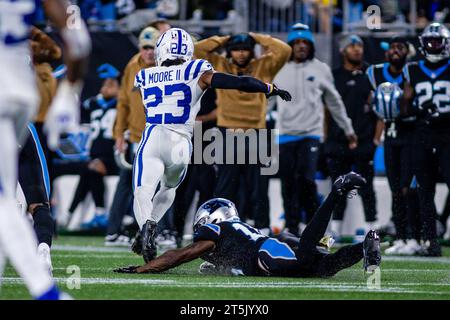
(161, 202)
(143, 205)
(372, 226)
(100, 211)
(18, 242)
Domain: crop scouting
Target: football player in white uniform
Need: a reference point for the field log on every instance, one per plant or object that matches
(170, 92)
(18, 103)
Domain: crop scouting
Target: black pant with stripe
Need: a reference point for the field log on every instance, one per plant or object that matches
(35, 183)
(312, 261)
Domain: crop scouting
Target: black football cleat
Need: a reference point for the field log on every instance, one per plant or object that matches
(372, 250)
(136, 246)
(148, 234)
(348, 182)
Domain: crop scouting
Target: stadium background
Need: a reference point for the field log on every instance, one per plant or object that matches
(115, 42)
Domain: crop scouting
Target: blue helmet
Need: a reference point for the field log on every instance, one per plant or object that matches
(387, 100)
(215, 211)
(300, 31)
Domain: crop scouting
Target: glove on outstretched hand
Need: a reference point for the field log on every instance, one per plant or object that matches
(275, 91)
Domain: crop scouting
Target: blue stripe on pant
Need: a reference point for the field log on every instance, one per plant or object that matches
(42, 160)
(277, 258)
(138, 161)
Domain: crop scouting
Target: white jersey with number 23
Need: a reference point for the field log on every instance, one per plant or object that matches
(171, 94)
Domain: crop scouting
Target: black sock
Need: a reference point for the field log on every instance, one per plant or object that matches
(344, 258)
(44, 225)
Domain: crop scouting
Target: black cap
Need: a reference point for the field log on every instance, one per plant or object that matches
(399, 40)
(241, 41)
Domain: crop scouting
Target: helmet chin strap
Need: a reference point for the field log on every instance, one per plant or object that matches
(434, 58)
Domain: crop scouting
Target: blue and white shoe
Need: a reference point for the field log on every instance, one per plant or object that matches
(54, 294)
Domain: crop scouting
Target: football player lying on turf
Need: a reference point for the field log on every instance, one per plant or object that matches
(228, 244)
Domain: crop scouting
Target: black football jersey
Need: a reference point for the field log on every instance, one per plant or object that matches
(401, 128)
(237, 245)
(103, 114)
(431, 83)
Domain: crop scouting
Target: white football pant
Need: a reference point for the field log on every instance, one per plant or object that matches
(17, 238)
(161, 159)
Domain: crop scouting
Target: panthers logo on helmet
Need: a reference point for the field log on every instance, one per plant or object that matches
(174, 44)
(215, 211)
(435, 42)
(387, 100)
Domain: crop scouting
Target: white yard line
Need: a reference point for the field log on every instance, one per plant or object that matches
(89, 248)
(344, 287)
(71, 248)
(416, 259)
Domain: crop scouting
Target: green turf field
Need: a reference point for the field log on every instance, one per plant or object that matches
(401, 278)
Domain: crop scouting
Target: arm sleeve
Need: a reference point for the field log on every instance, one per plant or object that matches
(335, 104)
(277, 52)
(244, 83)
(207, 232)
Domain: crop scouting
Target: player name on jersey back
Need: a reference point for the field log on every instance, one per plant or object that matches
(163, 76)
(170, 94)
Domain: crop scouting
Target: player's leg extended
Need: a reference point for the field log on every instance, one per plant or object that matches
(316, 228)
(344, 258)
(35, 183)
(34, 180)
(16, 235)
(148, 170)
(176, 159)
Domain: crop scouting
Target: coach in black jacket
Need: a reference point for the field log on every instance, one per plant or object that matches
(354, 88)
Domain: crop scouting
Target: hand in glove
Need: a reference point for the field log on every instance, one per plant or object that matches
(129, 269)
(275, 91)
(428, 110)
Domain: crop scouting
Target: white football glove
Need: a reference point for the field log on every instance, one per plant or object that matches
(64, 113)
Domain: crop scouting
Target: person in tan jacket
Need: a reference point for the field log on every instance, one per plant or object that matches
(240, 110)
(236, 109)
(130, 110)
(130, 119)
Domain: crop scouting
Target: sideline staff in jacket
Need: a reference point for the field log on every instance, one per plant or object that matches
(300, 122)
(240, 110)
